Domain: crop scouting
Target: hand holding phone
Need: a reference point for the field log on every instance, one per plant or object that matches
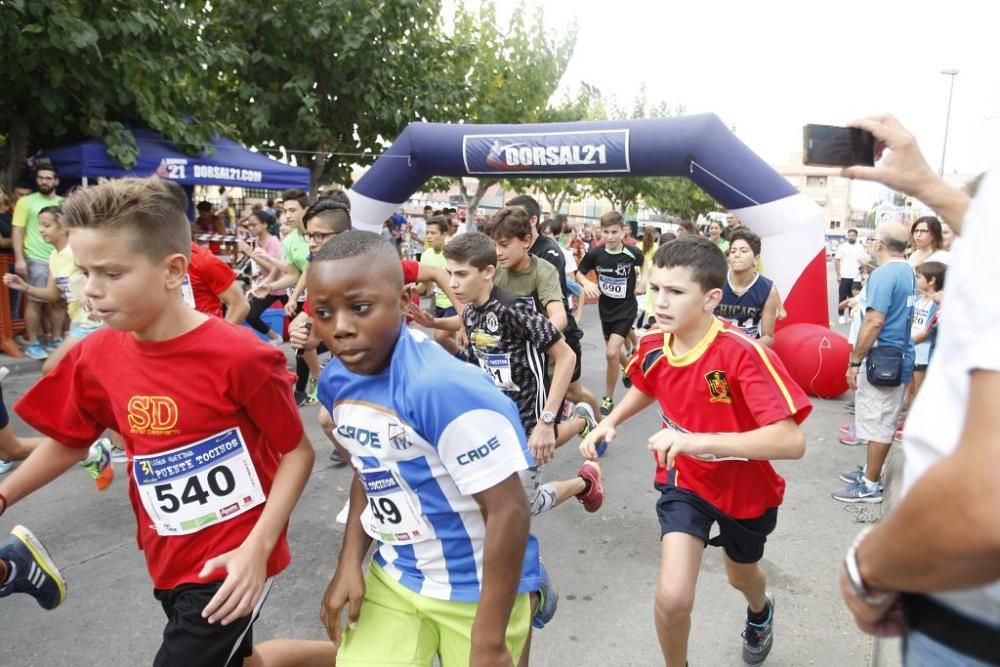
(830, 146)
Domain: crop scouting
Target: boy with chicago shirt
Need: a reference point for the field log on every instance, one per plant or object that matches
(437, 450)
(729, 407)
(217, 454)
(618, 267)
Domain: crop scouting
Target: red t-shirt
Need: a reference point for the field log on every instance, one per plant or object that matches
(210, 277)
(163, 397)
(726, 384)
(411, 269)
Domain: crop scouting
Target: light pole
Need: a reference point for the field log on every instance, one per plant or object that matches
(947, 119)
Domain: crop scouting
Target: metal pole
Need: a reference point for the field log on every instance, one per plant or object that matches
(947, 120)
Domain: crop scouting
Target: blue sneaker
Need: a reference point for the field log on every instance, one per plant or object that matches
(33, 572)
(36, 351)
(5, 466)
(53, 345)
(859, 492)
(548, 599)
(758, 638)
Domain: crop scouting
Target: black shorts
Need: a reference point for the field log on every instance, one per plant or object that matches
(4, 417)
(574, 344)
(620, 327)
(681, 511)
(191, 641)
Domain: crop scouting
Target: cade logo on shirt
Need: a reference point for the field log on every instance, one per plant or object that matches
(152, 415)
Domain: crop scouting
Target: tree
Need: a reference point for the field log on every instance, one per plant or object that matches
(333, 83)
(509, 74)
(91, 68)
(624, 193)
(678, 196)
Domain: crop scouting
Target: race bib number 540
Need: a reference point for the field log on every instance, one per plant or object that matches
(197, 485)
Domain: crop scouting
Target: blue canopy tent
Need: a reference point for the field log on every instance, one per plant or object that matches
(228, 164)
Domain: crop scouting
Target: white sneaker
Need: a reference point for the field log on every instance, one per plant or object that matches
(843, 319)
(342, 516)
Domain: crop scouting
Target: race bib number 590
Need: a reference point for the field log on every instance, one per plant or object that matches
(197, 485)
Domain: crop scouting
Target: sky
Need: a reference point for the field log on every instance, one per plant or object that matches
(769, 67)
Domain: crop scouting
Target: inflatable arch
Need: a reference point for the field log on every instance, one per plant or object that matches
(699, 147)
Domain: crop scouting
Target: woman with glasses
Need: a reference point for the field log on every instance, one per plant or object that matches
(928, 241)
(269, 245)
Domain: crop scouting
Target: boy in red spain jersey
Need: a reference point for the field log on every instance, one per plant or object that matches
(217, 456)
(729, 407)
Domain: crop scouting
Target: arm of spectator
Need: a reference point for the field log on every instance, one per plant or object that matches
(237, 306)
(905, 169)
(921, 546)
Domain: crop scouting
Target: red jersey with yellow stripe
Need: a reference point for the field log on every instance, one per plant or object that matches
(727, 383)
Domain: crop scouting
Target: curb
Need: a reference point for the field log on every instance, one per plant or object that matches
(887, 651)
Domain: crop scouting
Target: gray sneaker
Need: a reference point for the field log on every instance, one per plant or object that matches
(853, 476)
(757, 639)
(858, 492)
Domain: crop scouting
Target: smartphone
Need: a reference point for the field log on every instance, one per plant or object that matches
(830, 146)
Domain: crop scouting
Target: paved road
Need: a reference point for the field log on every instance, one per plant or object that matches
(604, 565)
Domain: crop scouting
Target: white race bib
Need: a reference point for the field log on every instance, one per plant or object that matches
(612, 286)
(197, 485)
(497, 366)
(390, 516)
(187, 292)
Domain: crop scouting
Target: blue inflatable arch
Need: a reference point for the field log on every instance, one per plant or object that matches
(698, 147)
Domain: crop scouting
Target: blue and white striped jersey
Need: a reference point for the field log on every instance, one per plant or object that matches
(425, 435)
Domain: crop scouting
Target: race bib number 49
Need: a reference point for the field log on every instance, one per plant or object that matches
(390, 516)
(197, 485)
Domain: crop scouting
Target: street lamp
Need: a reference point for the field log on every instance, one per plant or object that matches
(947, 119)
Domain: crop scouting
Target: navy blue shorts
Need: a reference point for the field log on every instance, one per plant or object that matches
(4, 417)
(681, 511)
(445, 312)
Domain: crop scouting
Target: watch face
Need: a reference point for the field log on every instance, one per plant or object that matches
(547, 417)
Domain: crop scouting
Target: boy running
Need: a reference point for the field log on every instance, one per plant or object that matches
(619, 272)
(217, 454)
(436, 236)
(436, 451)
(728, 409)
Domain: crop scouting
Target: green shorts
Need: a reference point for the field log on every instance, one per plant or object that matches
(400, 627)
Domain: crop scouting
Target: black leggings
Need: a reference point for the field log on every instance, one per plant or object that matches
(302, 368)
(258, 306)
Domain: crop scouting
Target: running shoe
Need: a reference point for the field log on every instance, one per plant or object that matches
(593, 497)
(34, 572)
(5, 466)
(607, 405)
(53, 344)
(852, 476)
(36, 351)
(337, 459)
(849, 406)
(852, 440)
(586, 413)
(757, 638)
(301, 398)
(625, 380)
(548, 598)
(98, 463)
(847, 428)
(859, 492)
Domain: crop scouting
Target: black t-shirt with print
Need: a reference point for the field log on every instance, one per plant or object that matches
(548, 249)
(616, 279)
(508, 339)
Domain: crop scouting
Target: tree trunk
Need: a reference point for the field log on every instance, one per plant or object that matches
(318, 167)
(15, 153)
(472, 203)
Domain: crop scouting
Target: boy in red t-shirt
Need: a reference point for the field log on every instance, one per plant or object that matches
(217, 456)
(728, 408)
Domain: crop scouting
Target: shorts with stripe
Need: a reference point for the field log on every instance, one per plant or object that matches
(191, 641)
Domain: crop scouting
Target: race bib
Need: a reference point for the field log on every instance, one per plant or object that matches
(613, 286)
(198, 485)
(390, 516)
(187, 292)
(497, 366)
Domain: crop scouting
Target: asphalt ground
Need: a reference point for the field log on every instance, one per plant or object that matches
(604, 565)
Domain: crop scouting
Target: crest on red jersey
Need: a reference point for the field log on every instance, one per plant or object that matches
(718, 387)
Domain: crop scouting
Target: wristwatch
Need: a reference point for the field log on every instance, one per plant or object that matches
(854, 574)
(855, 365)
(547, 417)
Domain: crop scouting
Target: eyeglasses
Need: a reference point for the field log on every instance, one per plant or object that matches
(921, 231)
(319, 237)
